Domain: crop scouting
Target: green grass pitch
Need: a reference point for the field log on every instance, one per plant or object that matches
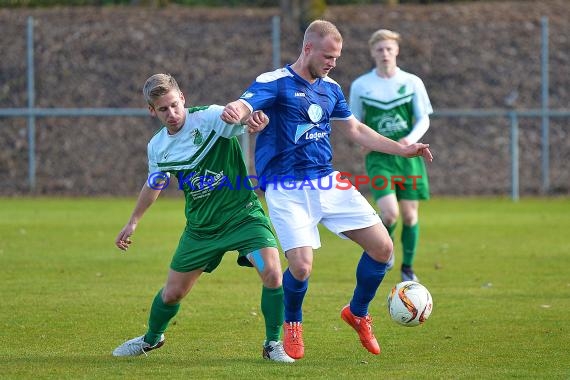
(498, 271)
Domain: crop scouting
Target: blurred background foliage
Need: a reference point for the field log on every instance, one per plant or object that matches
(317, 5)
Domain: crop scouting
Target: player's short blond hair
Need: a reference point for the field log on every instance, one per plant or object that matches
(383, 35)
(158, 85)
(321, 29)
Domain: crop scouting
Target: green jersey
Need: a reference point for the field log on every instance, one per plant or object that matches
(390, 106)
(206, 158)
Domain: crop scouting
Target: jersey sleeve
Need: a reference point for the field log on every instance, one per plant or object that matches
(421, 102)
(261, 94)
(219, 126)
(153, 179)
(354, 100)
(341, 110)
(152, 161)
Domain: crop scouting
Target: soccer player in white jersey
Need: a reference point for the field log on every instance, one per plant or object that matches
(395, 104)
(222, 210)
(293, 158)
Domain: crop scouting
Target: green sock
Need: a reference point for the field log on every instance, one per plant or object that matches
(410, 236)
(273, 311)
(160, 316)
(391, 228)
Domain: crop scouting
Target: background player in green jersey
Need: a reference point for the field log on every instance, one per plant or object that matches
(395, 104)
(222, 211)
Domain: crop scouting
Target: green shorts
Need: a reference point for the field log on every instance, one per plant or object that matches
(405, 177)
(245, 233)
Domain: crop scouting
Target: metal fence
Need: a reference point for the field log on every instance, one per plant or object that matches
(31, 113)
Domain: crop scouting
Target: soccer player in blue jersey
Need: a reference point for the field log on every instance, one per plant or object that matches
(203, 152)
(293, 158)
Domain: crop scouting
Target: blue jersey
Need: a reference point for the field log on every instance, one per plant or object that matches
(296, 142)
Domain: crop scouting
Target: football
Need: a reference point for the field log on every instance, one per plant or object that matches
(409, 303)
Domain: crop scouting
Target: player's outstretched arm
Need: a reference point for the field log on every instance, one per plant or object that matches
(146, 198)
(418, 149)
(361, 134)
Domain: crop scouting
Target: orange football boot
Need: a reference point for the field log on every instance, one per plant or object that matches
(293, 339)
(363, 326)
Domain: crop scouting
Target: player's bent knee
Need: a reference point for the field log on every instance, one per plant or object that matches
(301, 272)
(410, 220)
(382, 253)
(272, 278)
(389, 220)
(172, 296)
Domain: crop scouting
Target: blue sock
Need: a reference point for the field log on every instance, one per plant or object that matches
(294, 293)
(369, 275)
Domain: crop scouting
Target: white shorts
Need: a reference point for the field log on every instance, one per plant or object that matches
(297, 207)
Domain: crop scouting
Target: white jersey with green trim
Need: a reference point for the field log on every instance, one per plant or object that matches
(186, 148)
(389, 105)
(206, 158)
